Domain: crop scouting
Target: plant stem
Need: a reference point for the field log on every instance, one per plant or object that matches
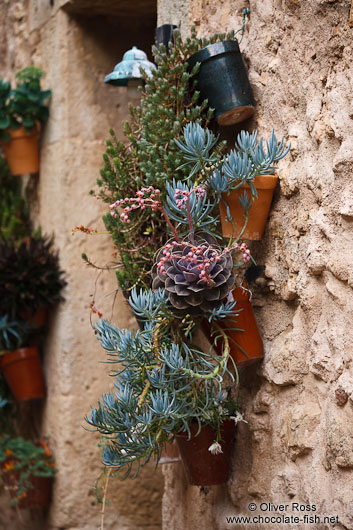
(104, 497)
(221, 363)
(172, 228)
(192, 233)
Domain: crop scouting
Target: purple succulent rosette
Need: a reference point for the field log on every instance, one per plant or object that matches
(197, 275)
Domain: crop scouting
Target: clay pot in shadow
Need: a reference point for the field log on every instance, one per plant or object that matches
(245, 342)
(23, 373)
(202, 468)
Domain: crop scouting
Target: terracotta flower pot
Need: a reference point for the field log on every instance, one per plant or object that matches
(23, 373)
(37, 319)
(36, 497)
(249, 340)
(21, 151)
(203, 468)
(39, 496)
(258, 213)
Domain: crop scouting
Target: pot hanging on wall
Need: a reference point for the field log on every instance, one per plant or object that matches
(37, 319)
(202, 467)
(222, 79)
(164, 35)
(23, 373)
(258, 213)
(245, 342)
(38, 496)
(21, 152)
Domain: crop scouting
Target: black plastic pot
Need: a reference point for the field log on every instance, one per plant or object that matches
(223, 80)
(164, 35)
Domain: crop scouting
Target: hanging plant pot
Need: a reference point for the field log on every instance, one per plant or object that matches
(203, 468)
(21, 152)
(38, 319)
(164, 35)
(23, 373)
(36, 497)
(246, 346)
(39, 496)
(222, 79)
(258, 213)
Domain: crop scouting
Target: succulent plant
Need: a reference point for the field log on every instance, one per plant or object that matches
(13, 334)
(197, 275)
(30, 276)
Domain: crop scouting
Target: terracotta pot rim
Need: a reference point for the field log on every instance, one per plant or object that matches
(194, 426)
(261, 182)
(18, 355)
(21, 132)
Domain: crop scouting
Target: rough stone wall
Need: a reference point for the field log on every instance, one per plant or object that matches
(298, 443)
(75, 53)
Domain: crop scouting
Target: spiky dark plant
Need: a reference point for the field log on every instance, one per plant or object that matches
(30, 276)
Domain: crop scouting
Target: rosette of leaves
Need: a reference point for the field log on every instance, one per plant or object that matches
(196, 273)
(25, 105)
(22, 459)
(30, 276)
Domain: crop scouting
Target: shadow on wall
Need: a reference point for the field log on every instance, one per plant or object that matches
(102, 39)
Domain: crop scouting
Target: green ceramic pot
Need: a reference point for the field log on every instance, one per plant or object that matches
(223, 80)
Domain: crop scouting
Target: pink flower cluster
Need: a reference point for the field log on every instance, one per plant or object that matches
(146, 197)
(182, 196)
(243, 248)
(201, 256)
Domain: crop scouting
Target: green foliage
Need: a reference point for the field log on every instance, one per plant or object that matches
(25, 105)
(162, 384)
(151, 156)
(30, 276)
(13, 334)
(22, 459)
(14, 215)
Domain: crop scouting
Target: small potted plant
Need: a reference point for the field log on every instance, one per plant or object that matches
(30, 279)
(20, 362)
(247, 179)
(27, 470)
(220, 76)
(243, 180)
(22, 110)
